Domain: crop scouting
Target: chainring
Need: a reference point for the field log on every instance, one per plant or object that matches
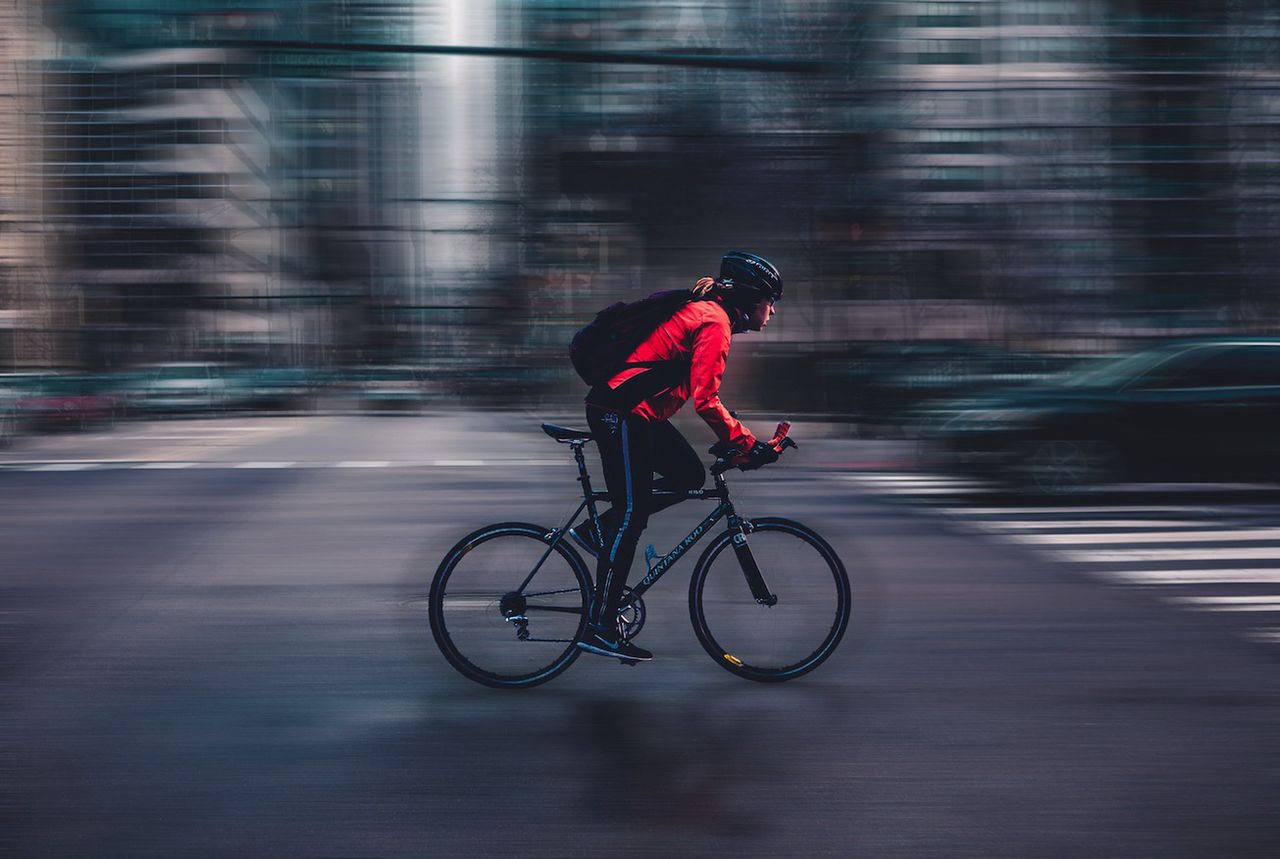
(631, 615)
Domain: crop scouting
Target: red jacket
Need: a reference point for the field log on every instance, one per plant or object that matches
(701, 331)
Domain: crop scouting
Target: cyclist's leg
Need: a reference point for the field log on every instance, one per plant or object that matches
(626, 453)
(678, 463)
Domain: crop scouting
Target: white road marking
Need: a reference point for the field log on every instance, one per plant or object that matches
(206, 428)
(1114, 556)
(1250, 603)
(911, 479)
(1259, 576)
(85, 464)
(1015, 511)
(1246, 600)
(1266, 636)
(1238, 535)
(469, 602)
(1067, 525)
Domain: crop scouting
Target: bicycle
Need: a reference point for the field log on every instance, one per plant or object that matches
(497, 628)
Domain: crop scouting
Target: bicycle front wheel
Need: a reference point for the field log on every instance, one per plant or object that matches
(494, 633)
(793, 636)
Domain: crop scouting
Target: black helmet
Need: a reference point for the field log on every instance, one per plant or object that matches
(753, 275)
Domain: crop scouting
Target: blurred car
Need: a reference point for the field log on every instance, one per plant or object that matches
(62, 401)
(181, 386)
(390, 388)
(1194, 411)
(886, 383)
(14, 388)
(274, 388)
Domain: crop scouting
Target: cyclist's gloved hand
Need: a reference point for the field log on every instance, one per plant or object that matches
(761, 454)
(723, 449)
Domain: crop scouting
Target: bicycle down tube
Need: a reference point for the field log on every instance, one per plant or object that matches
(751, 571)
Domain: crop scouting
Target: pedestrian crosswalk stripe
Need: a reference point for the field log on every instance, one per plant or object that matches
(1132, 510)
(1091, 524)
(1237, 535)
(264, 464)
(1215, 603)
(1266, 636)
(1229, 546)
(164, 465)
(1112, 556)
(1223, 576)
(66, 466)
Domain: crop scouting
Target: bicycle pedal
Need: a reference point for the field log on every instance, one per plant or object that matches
(628, 662)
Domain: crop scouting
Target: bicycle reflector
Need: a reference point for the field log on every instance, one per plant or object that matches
(735, 660)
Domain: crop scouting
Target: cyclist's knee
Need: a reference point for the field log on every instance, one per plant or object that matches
(693, 476)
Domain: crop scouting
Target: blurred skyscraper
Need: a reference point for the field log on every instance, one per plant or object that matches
(224, 202)
(28, 309)
(243, 181)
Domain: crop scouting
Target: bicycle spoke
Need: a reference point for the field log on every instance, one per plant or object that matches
(779, 641)
(491, 632)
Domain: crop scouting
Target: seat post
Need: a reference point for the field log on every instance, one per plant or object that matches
(585, 479)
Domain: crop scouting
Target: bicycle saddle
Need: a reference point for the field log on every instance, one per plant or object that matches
(565, 435)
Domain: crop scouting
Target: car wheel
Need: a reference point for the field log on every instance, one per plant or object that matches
(1064, 466)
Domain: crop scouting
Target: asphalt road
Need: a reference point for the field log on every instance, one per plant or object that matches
(213, 641)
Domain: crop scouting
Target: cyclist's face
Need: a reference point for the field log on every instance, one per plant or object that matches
(760, 316)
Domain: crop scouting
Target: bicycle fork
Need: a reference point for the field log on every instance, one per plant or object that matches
(750, 569)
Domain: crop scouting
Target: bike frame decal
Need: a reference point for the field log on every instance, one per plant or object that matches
(724, 508)
(656, 571)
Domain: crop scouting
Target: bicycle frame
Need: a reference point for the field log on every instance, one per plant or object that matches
(738, 527)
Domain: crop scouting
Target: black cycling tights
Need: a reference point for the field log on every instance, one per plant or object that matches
(631, 451)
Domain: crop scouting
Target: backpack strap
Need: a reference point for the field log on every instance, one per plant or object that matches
(640, 387)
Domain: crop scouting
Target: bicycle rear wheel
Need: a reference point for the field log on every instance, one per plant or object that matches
(771, 643)
(495, 635)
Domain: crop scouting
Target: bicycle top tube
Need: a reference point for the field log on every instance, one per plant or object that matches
(713, 494)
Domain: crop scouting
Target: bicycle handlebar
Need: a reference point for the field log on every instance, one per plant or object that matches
(780, 442)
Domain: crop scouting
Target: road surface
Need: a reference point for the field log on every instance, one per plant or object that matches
(213, 641)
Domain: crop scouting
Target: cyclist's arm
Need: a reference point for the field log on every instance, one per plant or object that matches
(710, 352)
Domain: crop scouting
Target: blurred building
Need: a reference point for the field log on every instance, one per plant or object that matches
(29, 312)
(1080, 169)
(1043, 175)
(222, 202)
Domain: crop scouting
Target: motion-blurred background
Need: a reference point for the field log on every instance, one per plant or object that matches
(215, 204)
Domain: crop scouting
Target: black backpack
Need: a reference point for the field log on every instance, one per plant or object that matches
(600, 350)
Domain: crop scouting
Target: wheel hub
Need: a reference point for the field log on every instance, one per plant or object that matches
(512, 605)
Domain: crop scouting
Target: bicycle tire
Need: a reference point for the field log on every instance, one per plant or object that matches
(734, 636)
(466, 608)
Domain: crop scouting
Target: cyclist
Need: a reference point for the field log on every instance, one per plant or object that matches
(629, 416)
